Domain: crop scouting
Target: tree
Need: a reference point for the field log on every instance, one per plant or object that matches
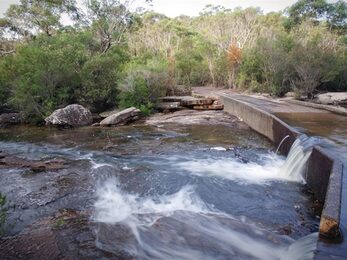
(315, 58)
(227, 30)
(335, 14)
(109, 19)
(33, 16)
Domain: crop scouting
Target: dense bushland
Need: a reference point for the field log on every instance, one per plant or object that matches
(109, 56)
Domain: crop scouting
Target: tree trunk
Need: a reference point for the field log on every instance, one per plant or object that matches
(210, 68)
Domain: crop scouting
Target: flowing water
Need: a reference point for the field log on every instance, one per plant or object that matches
(168, 192)
(332, 129)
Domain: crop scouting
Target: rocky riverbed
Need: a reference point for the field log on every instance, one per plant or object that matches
(171, 184)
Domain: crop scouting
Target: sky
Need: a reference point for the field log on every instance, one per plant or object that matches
(175, 8)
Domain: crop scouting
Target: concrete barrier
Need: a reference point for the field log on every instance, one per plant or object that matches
(324, 171)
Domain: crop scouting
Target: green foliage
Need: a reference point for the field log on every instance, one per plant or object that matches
(335, 14)
(143, 84)
(112, 57)
(99, 77)
(47, 73)
(3, 213)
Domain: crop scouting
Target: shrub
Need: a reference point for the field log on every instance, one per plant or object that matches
(143, 84)
(99, 77)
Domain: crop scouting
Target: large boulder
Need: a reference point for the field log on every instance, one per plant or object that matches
(72, 115)
(9, 119)
(122, 118)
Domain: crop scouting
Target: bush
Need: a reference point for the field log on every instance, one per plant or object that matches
(143, 84)
(47, 74)
(99, 77)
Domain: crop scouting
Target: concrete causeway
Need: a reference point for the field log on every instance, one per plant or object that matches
(327, 169)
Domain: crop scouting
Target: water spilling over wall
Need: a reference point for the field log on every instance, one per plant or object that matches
(296, 163)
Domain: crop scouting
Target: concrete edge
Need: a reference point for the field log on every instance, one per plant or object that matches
(324, 171)
(335, 109)
(330, 218)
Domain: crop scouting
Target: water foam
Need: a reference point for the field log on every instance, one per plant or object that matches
(236, 170)
(114, 205)
(273, 167)
(181, 226)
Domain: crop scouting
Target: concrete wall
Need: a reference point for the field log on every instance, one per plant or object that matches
(324, 172)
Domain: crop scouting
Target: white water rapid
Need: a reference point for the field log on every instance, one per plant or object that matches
(182, 225)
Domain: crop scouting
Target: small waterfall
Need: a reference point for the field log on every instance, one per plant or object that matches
(279, 146)
(295, 166)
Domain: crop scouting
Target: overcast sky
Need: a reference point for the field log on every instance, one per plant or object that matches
(193, 7)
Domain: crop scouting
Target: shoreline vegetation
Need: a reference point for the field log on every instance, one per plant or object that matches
(111, 57)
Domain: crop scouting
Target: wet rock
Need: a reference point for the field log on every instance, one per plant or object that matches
(72, 115)
(9, 119)
(193, 117)
(122, 118)
(66, 235)
(9, 161)
(336, 98)
(35, 243)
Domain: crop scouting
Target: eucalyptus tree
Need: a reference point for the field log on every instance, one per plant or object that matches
(37, 16)
(110, 20)
(231, 32)
(335, 14)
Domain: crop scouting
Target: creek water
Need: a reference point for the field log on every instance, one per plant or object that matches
(332, 129)
(168, 192)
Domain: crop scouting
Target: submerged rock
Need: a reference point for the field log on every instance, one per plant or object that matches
(72, 115)
(122, 118)
(10, 161)
(9, 119)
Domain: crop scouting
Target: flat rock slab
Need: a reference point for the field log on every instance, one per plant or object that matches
(109, 113)
(122, 118)
(10, 161)
(169, 106)
(193, 117)
(213, 97)
(174, 98)
(191, 101)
